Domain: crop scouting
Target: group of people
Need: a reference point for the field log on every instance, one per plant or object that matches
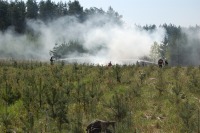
(161, 62)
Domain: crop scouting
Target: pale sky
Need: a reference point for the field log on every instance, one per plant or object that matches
(141, 12)
(178, 12)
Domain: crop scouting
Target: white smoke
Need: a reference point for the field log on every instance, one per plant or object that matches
(190, 46)
(19, 46)
(117, 42)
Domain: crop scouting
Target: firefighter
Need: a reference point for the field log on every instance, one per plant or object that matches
(110, 64)
(160, 63)
(166, 62)
(51, 60)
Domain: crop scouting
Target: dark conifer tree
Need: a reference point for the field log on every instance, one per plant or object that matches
(4, 18)
(75, 8)
(47, 10)
(32, 9)
(17, 15)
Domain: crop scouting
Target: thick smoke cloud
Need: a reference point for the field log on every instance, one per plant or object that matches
(117, 42)
(190, 46)
(19, 46)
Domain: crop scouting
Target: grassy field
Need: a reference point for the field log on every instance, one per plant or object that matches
(39, 97)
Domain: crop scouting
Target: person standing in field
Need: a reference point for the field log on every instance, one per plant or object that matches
(160, 63)
(51, 60)
(166, 62)
(110, 64)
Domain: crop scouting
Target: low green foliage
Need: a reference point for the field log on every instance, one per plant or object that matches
(39, 97)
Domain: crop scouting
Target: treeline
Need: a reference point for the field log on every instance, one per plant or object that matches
(180, 45)
(15, 13)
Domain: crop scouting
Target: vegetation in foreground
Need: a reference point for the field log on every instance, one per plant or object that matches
(38, 97)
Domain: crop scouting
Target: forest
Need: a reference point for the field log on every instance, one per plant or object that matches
(15, 13)
(180, 45)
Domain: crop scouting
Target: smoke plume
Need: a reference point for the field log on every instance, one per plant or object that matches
(190, 46)
(117, 42)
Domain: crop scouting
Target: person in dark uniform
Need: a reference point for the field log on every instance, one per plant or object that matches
(166, 62)
(51, 60)
(110, 64)
(160, 63)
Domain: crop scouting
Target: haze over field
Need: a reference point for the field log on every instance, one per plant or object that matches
(118, 42)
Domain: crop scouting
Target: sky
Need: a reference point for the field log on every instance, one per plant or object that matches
(141, 12)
